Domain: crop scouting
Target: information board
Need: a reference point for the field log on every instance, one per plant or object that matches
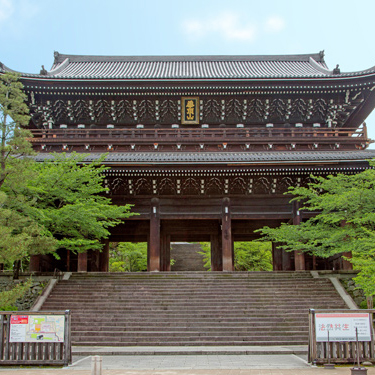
(342, 327)
(37, 328)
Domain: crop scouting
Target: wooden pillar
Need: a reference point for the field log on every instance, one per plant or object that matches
(34, 265)
(82, 262)
(226, 231)
(154, 242)
(104, 257)
(165, 253)
(299, 256)
(346, 265)
(216, 253)
(287, 263)
(277, 258)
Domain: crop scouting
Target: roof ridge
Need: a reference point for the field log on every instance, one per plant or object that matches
(59, 58)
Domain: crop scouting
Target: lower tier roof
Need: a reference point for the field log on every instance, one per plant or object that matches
(226, 158)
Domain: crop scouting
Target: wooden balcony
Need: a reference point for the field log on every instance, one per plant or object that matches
(189, 139)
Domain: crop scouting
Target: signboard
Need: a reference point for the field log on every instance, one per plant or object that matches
(190, 110)
(342, 327)
(37, 328)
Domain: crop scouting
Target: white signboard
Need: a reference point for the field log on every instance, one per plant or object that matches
(37, 328)
(342, 326)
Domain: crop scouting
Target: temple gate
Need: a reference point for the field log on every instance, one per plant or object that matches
(204, 146)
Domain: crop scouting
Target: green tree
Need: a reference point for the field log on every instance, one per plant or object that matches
(8, 298)
(67, 197)
(19, 235)
(14, 118)
(253, 256)
(345, 222)
(248, 256)
(128, 257)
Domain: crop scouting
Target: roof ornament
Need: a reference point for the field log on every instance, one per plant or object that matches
(321, 54)
(336, 70)
(56, 56)
(43, 71)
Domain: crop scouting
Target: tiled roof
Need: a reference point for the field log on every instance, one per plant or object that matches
(206, 158)
(80, 67)
(188, 67)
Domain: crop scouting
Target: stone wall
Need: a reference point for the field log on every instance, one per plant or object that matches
(351, 288)
(25, 303)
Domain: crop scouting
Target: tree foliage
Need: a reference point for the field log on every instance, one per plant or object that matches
(248, 256)
(13, 119)
(67, 197)
(59, 203)
(128, 257)
(8, 298)
(252, 256)
(345, 222)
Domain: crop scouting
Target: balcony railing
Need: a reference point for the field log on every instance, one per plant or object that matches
(253, 135)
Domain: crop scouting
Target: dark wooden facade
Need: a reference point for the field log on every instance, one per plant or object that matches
(204, 146)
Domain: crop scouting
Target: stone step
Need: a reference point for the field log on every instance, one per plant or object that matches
(176, 319)
(190, 275)
(181, 343)
(229, 331)
(200, 308)
(215, 310)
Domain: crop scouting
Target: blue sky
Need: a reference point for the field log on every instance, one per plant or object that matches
(31, 30)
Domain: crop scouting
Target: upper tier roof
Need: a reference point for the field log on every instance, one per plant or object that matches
(80, 67)
(186, 67)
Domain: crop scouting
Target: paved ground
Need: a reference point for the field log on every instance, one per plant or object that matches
(184, 361)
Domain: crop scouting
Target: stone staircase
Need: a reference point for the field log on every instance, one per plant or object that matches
(192, 308)
(187, 257)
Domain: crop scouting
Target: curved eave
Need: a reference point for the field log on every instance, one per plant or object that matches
(276, 158)
(264, 81)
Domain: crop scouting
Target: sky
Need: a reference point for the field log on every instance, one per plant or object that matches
(31, 30)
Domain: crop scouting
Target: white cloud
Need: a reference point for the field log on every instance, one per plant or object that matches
(274, 24)
(226, 25)
(6, 10)
(16, 16)
(231, 26)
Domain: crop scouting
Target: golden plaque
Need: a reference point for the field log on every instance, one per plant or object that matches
(190, 110)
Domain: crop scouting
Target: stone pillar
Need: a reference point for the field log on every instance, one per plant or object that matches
(226, 230)
(216, 253)
(154, 242)
(82, 262)
(299, 257)
(34, 265)
(104, 257)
